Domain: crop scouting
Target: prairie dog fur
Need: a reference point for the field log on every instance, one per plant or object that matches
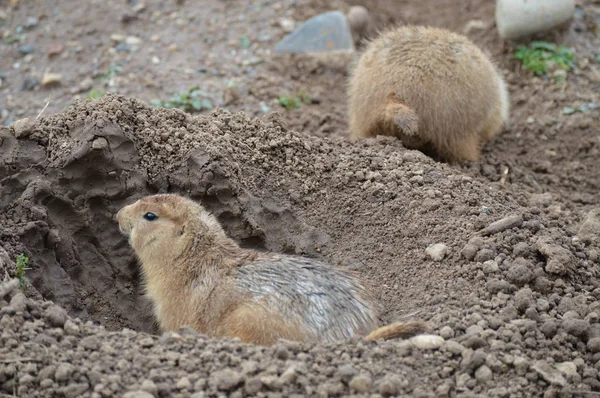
(432, 88)
(198, 277)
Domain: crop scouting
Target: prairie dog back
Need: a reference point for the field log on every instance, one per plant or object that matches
(431, 88)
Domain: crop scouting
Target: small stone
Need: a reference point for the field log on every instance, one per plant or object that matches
(287, 25)
(26, 49)
(469, 251)
(549, 373)
(521, 249)
(558, 259)
(183, 384)
(23, 127)
(90, 343)
(358, 18)
(568, 368)
(427, 341)
(99, 143)
(55, 49)
(29, 83)
(149, 387)
(361, 383)
(18, 302)
(226, 380)
(524, 299)
(138, 394)
(281, 352)
(593, 344)
(490, 267)
(71, 328)
(474, 330)
(56, 315)
(390, 385)
(590, 228)
(520, 272)
(483, 374)
(549, 329)
(347, 372)
(289, 376)
(576, 327)
(521, 365)
(31, 22)
(437, 252)
(484, 255)
(51, 78)
(63, 371)
(446, 332)
(133, 41)
(454, 347)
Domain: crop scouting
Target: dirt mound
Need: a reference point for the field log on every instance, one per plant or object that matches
(514, 296)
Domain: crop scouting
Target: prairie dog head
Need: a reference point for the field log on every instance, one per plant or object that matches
(162, 227)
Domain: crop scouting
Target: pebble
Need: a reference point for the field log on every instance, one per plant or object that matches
(29, 83)
(524, 299)
(576, 327)
(138, 394)
(18, 302)
(558, 259)
(71, 328)
(150, 387)
(454, 347)
(90, 343)
(56, 315)
(520, 272)
(99, 143)
(568, 368)
(55, 49)
(484, 255)
(31, 22)
(521, 365)
(226, 379)
(427, 341)
(549, 373)
(63, 371)
(437, 251)
(469, 251)
(589, 230)
(51, 78)
(287, 25)
(26, 49)
(361, 383)
(446, 332)
(358, 18)
(593, 344)
(483, 374)
(490, 267)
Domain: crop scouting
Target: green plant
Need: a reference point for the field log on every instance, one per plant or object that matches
(187, 101)
(293, 102)
(540, 56)
(21, 266)
(95, 94)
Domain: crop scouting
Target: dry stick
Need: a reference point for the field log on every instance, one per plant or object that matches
(47, 103)
(13, 360)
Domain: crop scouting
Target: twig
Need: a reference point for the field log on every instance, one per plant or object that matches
(411, 314)
(47, 103)
(504, 175)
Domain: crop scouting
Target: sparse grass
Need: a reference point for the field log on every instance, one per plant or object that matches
(21, 266)
(541, 57)
(188, 101)
(95, 94)
(292, 102)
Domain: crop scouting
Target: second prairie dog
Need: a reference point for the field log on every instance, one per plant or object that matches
(198, 277)
(432, 88)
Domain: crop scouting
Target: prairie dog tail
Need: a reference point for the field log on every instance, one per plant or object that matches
(398, 330)
(401, 117)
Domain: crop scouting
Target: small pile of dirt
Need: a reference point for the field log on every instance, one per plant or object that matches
(496, 272)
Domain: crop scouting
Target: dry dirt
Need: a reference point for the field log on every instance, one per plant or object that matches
(515, 298)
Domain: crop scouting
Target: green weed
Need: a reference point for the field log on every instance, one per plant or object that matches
(21, 266)
(293, 102)
(188, 101)
(95, 94)
(540, 57)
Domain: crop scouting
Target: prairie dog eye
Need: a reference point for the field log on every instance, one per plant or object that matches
(150, 216)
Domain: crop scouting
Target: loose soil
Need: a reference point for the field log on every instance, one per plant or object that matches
(515, 298)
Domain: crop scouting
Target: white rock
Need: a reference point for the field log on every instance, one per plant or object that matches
(437, 252)
(427, 341)
(568, 368)
(358, 18)
(519, 18)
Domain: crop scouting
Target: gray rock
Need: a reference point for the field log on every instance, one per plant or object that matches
(523, 299)
(361, 383)
(576, 327)
(469, 251)
(483, 374)
(138, 394)
(521, 365)
(594, 345)
(325, 32)
(454, 347)
(590, 228)
(347, 372)
(18, 302)
(446, 332)
(520, 273)
(26, 49)
(226, 379)
(29, 84)
(90, 343)
(99, 143)
(549, 329)
(56, 315)
(549, 373)
(437, 251)
(484, 255)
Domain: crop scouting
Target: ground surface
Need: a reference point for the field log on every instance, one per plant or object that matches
(517, 306)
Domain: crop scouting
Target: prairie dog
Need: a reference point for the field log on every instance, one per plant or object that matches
(432, 88)
(198, 277)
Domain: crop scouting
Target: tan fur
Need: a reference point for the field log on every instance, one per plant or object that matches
(398, 330)
(431, 88)
(192, 272)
